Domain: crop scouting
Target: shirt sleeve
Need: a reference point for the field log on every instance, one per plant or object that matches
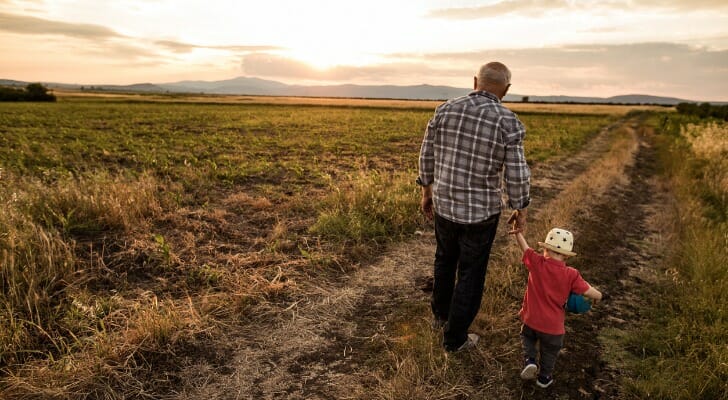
(427, 153)
(530, 258)
(517, 174)
(579, 285)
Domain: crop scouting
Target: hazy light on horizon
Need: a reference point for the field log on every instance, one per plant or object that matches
(594, 48)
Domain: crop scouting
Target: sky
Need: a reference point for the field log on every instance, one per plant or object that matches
(676, 48)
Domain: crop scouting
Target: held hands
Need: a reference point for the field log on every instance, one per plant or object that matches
(517, 221)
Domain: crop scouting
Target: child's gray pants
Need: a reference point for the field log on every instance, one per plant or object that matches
(550, 345)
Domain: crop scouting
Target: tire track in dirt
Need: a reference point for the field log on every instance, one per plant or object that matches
(319, 346)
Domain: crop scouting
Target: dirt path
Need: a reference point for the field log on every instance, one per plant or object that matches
(320, 346)
(618, 243)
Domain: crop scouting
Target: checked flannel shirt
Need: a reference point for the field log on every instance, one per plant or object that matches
(468, 144)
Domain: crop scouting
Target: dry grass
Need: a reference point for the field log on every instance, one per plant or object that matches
(38, 260)
(58, 338)
(115, 362)
(709, 142)
(95, 203)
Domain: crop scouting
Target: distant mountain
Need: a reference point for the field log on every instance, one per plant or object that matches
(642, 98)
(256, 86)
(240, 85)
(10, 82)
(137, 87)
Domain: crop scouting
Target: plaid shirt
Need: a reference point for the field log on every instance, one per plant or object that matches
(467, 145)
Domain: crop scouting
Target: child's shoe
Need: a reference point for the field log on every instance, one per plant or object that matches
(529, 370)
(544, 381)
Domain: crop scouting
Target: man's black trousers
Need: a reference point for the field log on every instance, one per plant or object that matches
(461, 261)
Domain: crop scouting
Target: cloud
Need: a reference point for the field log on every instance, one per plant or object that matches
(101, 41)
(538, 7)
(39, 26)
(499, 8)
(181, 47)
(666, 69)
(275, 66)
(685, 5)
(655, 68)
(22, 24)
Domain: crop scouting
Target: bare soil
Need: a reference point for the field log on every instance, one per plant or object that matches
(325, 345)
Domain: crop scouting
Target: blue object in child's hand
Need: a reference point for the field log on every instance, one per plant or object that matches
(577, 304)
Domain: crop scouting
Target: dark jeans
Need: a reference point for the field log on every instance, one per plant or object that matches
(462, 249)
(548, 347)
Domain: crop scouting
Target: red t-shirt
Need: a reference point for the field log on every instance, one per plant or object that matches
(550, 282)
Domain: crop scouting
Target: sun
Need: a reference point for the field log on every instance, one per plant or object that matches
(316, 58)
(324, 58)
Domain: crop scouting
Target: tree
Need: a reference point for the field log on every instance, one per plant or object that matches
(38, 92)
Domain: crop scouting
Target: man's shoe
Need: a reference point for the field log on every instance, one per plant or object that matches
(544, 381)
(471, 342)
(530, 370)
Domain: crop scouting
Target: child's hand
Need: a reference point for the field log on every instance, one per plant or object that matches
(513, 222)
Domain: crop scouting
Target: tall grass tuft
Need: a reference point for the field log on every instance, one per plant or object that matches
(683, 352)
(94, 203)
(370, 206)
(38, 265)
(35, 267)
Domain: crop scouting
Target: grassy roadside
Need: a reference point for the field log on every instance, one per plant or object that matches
(682, 352)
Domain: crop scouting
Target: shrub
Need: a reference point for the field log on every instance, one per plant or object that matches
(32, 92)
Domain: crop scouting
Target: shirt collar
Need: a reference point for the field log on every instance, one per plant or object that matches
(485, 94)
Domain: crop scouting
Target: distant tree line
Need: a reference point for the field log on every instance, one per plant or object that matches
(32, 92)
(704, 110)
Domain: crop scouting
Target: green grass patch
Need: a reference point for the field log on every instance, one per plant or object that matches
(370, 206)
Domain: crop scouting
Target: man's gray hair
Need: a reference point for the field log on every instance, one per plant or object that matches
(494, 73)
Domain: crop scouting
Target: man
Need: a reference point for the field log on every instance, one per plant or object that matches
(471, 145)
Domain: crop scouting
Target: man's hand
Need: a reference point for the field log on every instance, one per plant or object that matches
(426, 206)
(426, 203)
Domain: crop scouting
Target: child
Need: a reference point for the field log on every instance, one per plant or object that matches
(550, 281)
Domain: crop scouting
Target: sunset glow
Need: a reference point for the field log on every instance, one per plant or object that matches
(592, 48)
